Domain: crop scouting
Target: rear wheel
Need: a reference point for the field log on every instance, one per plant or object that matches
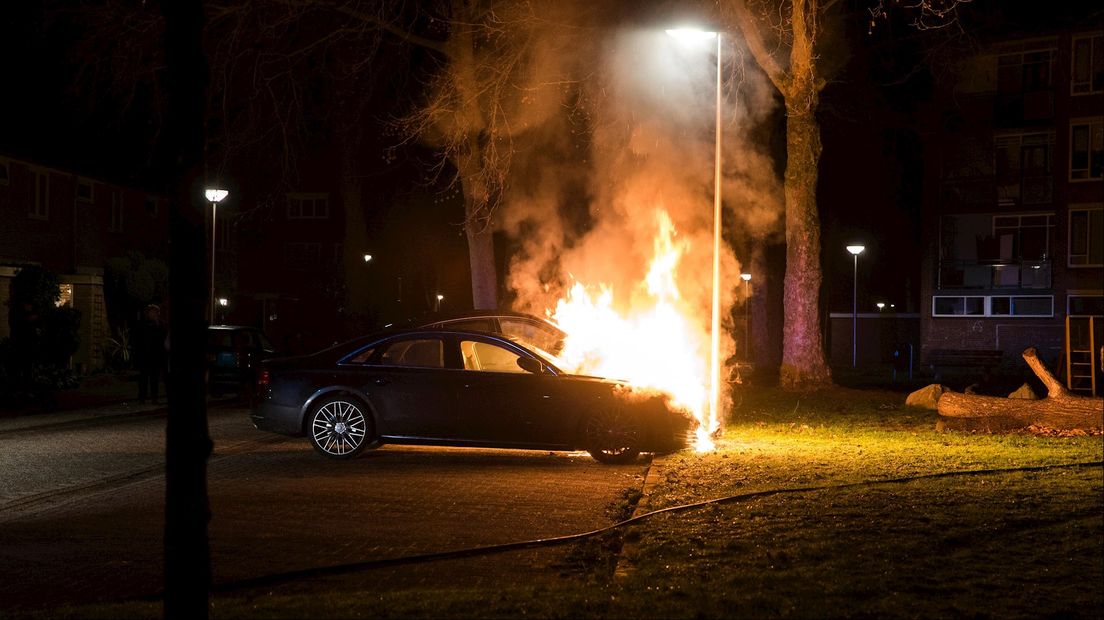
(339, 427)
(612, 436)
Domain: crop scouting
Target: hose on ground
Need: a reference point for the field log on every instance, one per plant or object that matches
(322, 571)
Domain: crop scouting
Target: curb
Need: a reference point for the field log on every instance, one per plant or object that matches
(626, 560)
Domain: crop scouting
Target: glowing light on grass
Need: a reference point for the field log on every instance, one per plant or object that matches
(656, 344)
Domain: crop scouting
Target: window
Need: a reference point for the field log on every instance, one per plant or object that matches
(1087, 73)
(420, 353)
(1085, 303)
(5, 171)
(1086, 237)
(532, 334)
(308, 206)
(486, 357)
(66, 295)
(1024, 71)
(116, 224)
(40, 209)
(468, 325)
(993, 305)
(1022, 237)
(84, 190)
(1086, 150)
(1023, 168)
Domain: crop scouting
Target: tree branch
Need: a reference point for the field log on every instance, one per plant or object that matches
(750, 29)
(391, 28)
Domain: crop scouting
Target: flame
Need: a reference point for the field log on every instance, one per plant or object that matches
(658, 344)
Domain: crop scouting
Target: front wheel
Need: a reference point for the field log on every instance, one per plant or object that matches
(612, 436)
(339, 427)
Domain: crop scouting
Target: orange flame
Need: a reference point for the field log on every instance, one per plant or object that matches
(657, 345)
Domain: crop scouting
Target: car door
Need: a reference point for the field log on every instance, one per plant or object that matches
(499, 402)
(410, 386)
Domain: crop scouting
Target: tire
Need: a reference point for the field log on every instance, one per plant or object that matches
(339, 427)
(612, 436)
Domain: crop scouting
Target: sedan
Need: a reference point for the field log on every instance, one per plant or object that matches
(457, 388)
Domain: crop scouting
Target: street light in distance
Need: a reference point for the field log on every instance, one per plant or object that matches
(855, 250)
(214, 196)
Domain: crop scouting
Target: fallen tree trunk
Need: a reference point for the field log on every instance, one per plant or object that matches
(1059, 410)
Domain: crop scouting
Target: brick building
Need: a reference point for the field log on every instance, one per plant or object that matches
(1014, 197)
(72, 225)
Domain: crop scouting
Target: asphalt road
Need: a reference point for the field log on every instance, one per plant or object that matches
(81, 508)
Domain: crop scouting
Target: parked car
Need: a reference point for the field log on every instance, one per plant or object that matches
(233, 352)
(457, 388)
(541, 335)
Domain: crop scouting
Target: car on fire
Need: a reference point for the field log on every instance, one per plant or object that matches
(540, 335)
(457, 388)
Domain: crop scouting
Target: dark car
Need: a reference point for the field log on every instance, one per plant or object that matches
(445, 387)
(233, 352)
(541, 335)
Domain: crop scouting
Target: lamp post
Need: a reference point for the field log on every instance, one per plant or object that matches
(855, 250)
(746, 277)
(214, 196)
(690, 35)
(440, 298)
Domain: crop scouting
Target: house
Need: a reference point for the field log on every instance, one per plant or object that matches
(1014, 199)
(72, 225)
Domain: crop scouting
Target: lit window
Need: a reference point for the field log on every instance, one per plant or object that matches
(66, 297)
(308, 206)
(1086, 150)
(1087, 74)
(1086, 237)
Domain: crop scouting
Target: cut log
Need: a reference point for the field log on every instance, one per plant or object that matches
(1060, 409)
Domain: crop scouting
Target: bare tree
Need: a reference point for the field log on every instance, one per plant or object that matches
(788, 40)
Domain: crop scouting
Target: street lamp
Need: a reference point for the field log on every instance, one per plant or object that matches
(746, 277)
(214, 196)
(440, 298)
(855, 250)
(881, 306)
(691, 35)
(367, 258)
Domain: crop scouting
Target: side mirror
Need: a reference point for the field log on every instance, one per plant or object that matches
(530, 365)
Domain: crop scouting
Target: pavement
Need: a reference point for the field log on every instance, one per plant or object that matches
(277, 506)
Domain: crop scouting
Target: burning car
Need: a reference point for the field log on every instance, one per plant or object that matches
(458, 388)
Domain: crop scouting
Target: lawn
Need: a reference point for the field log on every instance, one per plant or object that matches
(840, 504)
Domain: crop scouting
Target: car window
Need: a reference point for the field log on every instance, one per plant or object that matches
(488, 357)
(422, 353)
(362, 357)
(218, 338)
(266, 344)
(532, 334)
(475, 325)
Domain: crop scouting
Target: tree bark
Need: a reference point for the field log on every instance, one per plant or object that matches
(480, 233)
(1060, 409)
(187, 442)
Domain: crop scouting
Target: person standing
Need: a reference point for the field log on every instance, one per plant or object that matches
(150, 353)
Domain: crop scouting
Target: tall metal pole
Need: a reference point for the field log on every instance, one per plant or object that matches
(214, 242)
(855, 314)
(715, 327)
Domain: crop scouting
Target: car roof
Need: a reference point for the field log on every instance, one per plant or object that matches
(489, 314)
(341, 350)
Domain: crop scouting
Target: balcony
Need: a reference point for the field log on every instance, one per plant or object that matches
(973, 274)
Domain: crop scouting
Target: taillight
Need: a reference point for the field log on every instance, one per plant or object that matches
(262, 379)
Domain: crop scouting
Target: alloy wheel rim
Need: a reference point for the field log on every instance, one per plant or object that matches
(611, 434)
(339, 427)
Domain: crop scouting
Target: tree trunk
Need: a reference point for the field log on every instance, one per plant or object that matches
(479, 230)
(1060, 409)
(803, 364)
(187, 442)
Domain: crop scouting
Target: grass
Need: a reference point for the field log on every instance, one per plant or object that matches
(1018, 543)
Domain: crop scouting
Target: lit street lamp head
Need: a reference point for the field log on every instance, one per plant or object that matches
(745, 276)
(691, 35)
(856, 249)
(367, 257)
(216, 195)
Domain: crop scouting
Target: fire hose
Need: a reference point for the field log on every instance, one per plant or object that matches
(337, 569)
